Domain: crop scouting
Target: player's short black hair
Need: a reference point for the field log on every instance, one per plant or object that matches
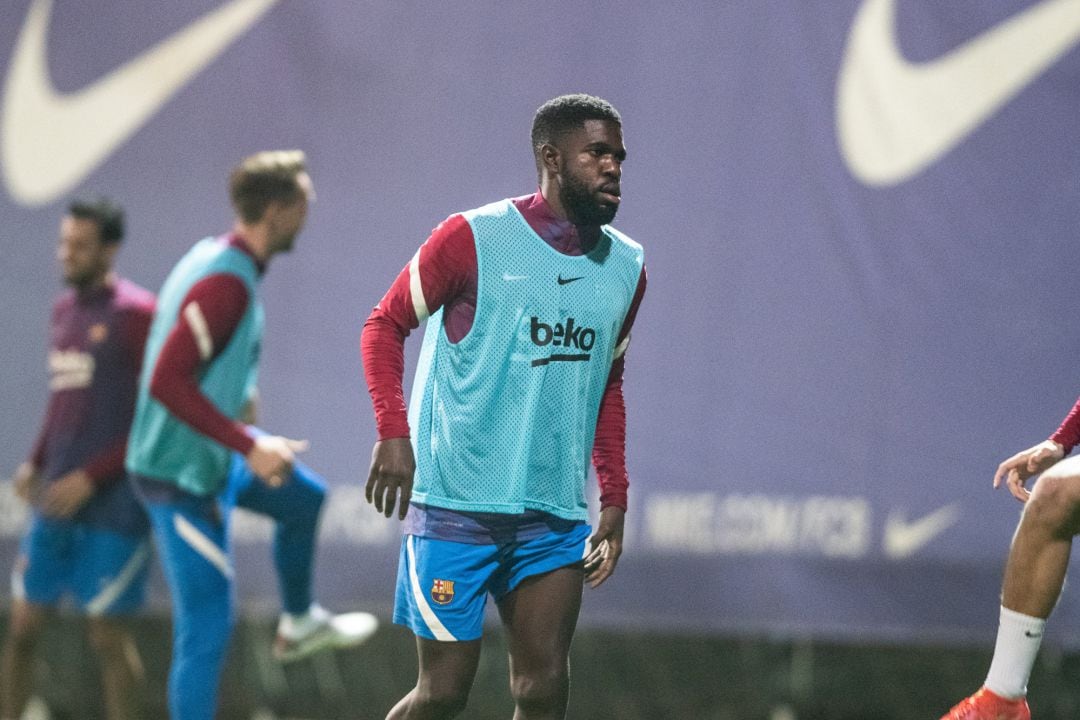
(108, 215)
(568, 112)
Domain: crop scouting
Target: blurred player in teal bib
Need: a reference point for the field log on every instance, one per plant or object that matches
(192, 455)
(529, 304)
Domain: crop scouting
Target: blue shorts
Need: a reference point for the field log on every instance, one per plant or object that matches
(442, 586)
(105, 571)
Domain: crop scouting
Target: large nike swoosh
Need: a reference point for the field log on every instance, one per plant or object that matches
(49, 142)
(903, 539)
(895, 118)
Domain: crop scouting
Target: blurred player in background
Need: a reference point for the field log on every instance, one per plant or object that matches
(198, 379)
(1035, 569)
(88, 536)
(529, 304)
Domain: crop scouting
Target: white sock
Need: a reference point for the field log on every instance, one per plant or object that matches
(1018, 640)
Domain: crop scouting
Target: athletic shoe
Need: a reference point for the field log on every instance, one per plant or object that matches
(985, 705)
(299, 637)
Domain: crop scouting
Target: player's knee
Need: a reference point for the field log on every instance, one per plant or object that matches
(22, 640)
(311, 488)
(108, 639)
(24, 630)
(541, 690)
(1055, 503)
(442, 700)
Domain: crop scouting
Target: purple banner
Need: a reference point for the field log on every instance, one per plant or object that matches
(860, 223)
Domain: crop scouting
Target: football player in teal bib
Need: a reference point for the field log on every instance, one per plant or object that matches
(529, 303)
(192, 457)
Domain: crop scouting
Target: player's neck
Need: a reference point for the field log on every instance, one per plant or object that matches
(256, 239)
(94, 284)
(588, 235)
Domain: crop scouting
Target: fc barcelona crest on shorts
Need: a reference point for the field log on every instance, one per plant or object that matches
(442, 591)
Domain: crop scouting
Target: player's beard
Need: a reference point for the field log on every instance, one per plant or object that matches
(581, 203)
(86, 276)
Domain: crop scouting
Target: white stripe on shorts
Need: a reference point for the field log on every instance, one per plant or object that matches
(121, 582)
(430, 618)
(202, 545)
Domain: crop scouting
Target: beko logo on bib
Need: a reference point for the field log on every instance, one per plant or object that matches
(50, 141)
(567, 335)
(895, 118)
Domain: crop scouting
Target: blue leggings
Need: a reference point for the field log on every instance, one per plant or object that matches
(192, 540)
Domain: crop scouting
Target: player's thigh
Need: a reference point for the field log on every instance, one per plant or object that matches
(442, 588)
(26, 621)
(447, 669)
(43, 568)
(540, 596)
(192, 543)
(540, 616)
(301, 496)
(110, 571)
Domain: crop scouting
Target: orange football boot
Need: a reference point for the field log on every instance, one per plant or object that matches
(985, 705)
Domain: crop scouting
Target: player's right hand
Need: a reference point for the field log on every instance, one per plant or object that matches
(392, 468)
(272, 456)
(27, 481)
(1025, 464)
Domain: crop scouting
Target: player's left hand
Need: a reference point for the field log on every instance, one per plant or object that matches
(605, 546)
(64, 496)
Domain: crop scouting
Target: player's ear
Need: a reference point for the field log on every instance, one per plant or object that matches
(550, 158)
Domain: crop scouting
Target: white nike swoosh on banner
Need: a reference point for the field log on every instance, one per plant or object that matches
(903, 539)
(49, 142)
(895, 118)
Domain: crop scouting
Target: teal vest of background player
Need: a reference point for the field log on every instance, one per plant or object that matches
(162, 447)
(504, 419)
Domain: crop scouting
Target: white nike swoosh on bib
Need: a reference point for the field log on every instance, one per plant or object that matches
(49, 142)
(895, 118)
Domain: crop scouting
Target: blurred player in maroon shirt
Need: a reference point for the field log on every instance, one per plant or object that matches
(88, 535)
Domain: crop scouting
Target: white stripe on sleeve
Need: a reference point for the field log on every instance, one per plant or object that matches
(197, 322)
(417, 291)
(620, 349)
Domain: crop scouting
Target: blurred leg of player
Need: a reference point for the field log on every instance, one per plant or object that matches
(305, 627)
(123, 679)
(17, 659)
(190, 534)
(107, 572)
